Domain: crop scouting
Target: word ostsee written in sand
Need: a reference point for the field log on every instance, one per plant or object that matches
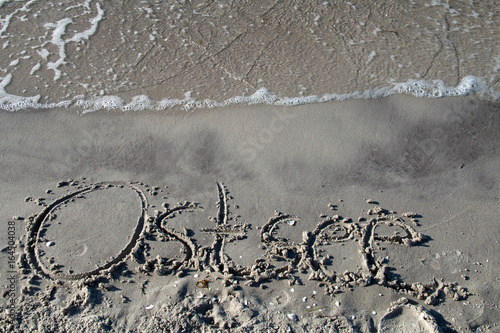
(315, 255)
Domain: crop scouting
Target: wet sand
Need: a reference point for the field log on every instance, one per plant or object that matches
(312, 218)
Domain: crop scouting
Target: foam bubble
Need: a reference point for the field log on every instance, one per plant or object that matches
(170, 103)
(139, 103)
(99, 103)
(262, 96)
(287, 101)
(437, 88)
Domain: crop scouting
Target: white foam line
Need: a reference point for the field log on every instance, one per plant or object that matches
(86, 4)
(6, 21)
(60, 30)
(35, 68)
(92, 30)
(99, 103)
(13, 103)
(420, 88)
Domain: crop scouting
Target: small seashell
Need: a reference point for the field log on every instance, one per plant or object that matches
(150, 307)
(292, 316)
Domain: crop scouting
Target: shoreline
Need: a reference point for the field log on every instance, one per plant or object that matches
(221, 51)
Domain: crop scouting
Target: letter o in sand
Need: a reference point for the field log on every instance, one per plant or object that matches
(91, 230)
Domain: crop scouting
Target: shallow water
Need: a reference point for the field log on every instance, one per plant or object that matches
(104, 55)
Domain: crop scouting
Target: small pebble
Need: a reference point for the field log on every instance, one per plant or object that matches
(49, 244)
(292, 316)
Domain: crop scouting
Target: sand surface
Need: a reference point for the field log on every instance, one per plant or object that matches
(360, 215)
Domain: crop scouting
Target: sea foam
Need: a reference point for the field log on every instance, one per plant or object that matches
(73, 31)
(13, 103)
(420, 88)
(60, 30)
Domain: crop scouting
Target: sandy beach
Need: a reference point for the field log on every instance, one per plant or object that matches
(193, 166)
(308, 218)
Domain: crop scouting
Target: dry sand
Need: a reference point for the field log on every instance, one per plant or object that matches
(360, 215)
